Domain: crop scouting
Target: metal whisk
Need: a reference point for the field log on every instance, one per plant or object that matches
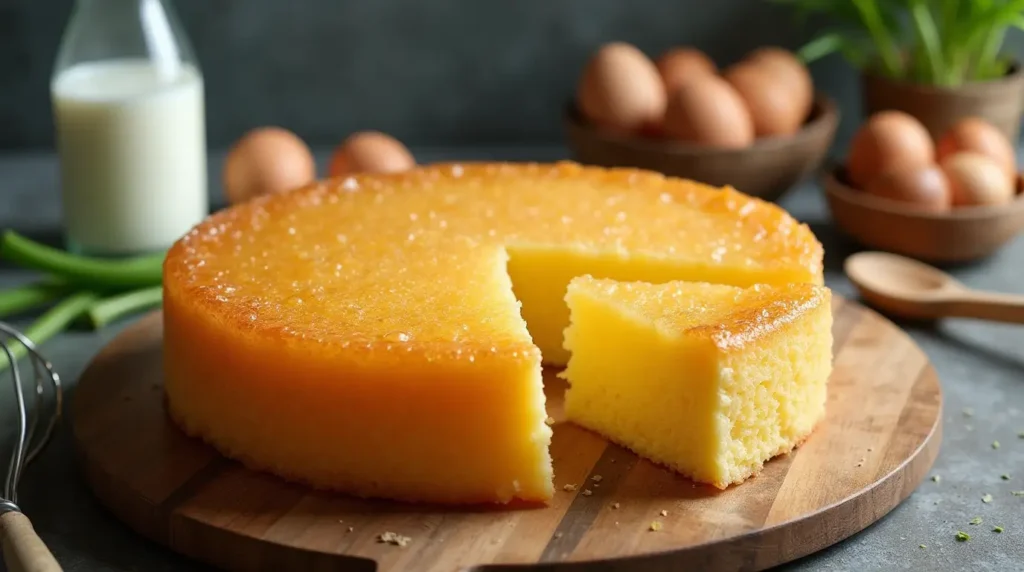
(37, 417)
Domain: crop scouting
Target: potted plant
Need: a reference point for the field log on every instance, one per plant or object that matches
(938, 60)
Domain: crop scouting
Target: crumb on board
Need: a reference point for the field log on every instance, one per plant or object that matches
(597, 478)
(558, 535)
(962, 536)
(922, 546)
(664, 513)
(975, 520)
(997, 529)
(968, 412)
(995, 444)
(351, 528)
(1020, 435)
(1005, 476)
(615, 505)
(570, 488)
(986, 498)
(393, 538)
(587, 492)
(655, 526)
(937, 478)
(1017, 493)
(549, 421)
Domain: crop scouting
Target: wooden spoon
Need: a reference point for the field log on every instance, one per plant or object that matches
(906, 287)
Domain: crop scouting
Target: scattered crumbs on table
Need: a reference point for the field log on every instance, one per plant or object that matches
(655, 526)
(937, 478)
(968, 412)
(351, 528)
(569, 488)
(962, 536)
(615, 506)
(1017, 493)
(1005, 476)
(995, 444)
(549, 421)
(870, 449)
(558, 535)
(393, 538)
(997, 529)
(986, 498)
(903, 538)
(587, 492)
(597, 478)
(975, 520)
(921, 546)
(664, 513)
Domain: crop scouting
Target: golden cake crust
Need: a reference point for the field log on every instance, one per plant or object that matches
(332, 263)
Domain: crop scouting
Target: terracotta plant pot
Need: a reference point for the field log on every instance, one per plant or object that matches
(999, 101)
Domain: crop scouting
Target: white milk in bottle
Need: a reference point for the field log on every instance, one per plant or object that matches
(130, 130)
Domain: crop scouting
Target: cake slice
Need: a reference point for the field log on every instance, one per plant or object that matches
(709, 380)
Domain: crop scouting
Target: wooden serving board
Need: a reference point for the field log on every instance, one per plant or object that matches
(879, 439)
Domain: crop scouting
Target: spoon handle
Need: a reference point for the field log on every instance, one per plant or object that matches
(987, 306)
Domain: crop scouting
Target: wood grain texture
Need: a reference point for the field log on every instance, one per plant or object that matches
(880, 437)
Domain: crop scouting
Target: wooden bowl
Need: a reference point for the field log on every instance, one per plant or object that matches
(961, 235)
(766, 169)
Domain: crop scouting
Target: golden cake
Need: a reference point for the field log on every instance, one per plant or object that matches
(382, 335)
(710, 380)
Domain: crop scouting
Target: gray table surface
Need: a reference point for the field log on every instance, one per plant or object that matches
(981, 367)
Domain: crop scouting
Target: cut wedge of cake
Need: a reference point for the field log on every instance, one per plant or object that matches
(382, 335)
(709, 380)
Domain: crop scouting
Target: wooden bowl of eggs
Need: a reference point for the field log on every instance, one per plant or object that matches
(955, 200)
(756, 126)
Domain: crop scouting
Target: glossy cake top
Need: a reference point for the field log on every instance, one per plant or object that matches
(730, 317)
(412, 257)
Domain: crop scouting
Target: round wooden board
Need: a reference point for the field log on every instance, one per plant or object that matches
(879, 439)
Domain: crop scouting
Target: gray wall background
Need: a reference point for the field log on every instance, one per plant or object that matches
(431, 72)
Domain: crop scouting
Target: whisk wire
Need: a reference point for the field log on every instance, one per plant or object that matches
(28, 444)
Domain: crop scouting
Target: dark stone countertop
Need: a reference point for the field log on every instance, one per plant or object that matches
(981, 367)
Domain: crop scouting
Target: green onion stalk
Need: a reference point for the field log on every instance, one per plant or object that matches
(53, 321)
(97, 273)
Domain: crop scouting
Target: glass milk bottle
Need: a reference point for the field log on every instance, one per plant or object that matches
(130, 128)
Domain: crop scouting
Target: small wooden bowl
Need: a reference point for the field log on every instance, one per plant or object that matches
(961, 235)
(766, 169)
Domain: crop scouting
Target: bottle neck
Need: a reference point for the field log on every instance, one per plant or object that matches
(101, 30)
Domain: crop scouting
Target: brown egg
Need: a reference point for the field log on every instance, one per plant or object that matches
(773, 109)
(678, 65)
(980, 136)
(888, 140)
(267, 160)
(924, 187)
(372, 152)
(709, 112)
(620, 89)
(976, 179)
(787, 65)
